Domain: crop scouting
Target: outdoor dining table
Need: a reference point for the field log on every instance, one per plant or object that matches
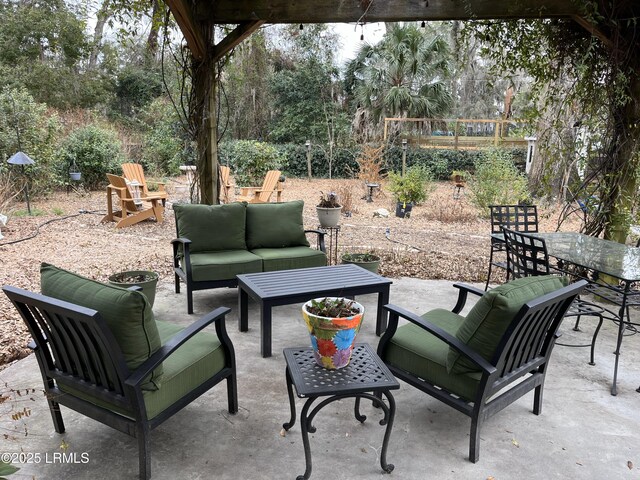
(597, 258)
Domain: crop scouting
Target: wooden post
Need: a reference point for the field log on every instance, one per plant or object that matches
(308, 144)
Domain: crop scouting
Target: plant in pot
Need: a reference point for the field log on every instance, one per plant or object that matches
(145, 279)
(412, 188)
(333, 323)
(459, 178)
(367, 260)
(329, 210)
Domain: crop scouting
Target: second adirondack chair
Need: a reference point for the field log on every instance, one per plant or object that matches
(225, 183)
(135, 172)
(133, 209)
(263, 194)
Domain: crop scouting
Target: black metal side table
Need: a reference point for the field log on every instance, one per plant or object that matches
(331, 234)
(366, 377)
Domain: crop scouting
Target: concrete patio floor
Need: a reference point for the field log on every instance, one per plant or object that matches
(583, 431)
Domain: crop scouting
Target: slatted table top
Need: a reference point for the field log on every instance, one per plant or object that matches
(365, 373)
(302, 281)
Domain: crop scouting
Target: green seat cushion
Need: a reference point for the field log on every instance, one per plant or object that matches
(197, 360)
(224, 265)
(128, 314)
(420, 353)
(212, 227)
(290, 257)
(275, 225)
(488, 320)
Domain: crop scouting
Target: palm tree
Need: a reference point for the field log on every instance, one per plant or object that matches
(405, 75)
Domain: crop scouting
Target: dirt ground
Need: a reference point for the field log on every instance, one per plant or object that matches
(445, 238)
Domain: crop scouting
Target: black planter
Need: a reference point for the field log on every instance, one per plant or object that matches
(403, 209)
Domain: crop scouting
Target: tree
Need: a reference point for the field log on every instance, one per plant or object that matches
(404, 75)
(599, 79)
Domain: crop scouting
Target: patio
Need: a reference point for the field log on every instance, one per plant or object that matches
(583, 432)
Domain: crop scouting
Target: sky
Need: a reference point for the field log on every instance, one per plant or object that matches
(350, 38)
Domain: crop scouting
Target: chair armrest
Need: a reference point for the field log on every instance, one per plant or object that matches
(175, 342)
(464, 290)
(398, 312)
(184, 243)
(320, 234)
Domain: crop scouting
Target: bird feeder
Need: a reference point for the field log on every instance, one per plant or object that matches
(23, 159)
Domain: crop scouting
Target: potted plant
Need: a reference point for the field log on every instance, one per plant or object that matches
(408, 189)
(145, 279)
(329, 210)
(333, 323)
(366, 260)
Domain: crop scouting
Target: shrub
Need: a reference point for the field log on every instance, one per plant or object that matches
(497, 181)
(96, 152)
(414, 187)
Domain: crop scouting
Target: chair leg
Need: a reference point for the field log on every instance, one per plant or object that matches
(54, 409)
(486, 286)
(474, 441)
(144, 456)
(176, 281)
(232, 394)
(537, 399)
(189, 300)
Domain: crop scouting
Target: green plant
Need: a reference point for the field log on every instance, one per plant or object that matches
(329, 200)
(497, 181)
(250, 160)
(414, 187)
(338, 307)
(58, 211)
(459, 175)
(96, 151)
(361, 257)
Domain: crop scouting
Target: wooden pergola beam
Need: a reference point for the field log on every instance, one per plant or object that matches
(183, 14)
(229, 42)
(593, 30)
(345, 11)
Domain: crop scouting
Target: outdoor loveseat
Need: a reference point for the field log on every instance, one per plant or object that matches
(102, 354)
(217, 242)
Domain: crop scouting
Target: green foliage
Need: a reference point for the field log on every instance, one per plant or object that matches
(414, 187)
(7, 469)
(26, 126)
(404, 75)
(165, 144)
(136, 86)
(250, 160)
(497, 181)
(95, 150)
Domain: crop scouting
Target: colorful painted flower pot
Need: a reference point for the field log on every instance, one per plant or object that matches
(332, 339)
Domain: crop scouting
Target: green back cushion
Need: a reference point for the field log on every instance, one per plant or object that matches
(488, 320)
(128, 314)
(275, 225)
(212, 227)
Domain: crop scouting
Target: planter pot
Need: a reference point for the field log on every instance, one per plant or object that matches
(75, 176)
(403, 209)
(329, 217)
(364, 260)
(145, 279)
(332, 339)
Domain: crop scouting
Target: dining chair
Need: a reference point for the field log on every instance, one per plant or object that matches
(527, 256)
(522, 218)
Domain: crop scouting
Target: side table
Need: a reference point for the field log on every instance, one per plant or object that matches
(366, 377)
(331, 242)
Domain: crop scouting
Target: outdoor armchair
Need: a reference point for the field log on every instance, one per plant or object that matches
(102, 354)
(472, 363)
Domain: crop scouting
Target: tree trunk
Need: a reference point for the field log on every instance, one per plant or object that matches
(157, 16)
(98, 32)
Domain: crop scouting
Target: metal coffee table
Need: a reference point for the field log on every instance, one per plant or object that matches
(285, 287)
(366, 377)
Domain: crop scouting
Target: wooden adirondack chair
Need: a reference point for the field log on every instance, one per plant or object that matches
(225, 183)
(132, 210)
(263, 194)
(135, 172)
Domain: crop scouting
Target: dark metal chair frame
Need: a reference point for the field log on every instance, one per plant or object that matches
(181, 247)
(527, 256)
(523, 353)
(75, 349)
(523, 218)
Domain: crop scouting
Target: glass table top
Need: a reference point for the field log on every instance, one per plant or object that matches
(611, 258)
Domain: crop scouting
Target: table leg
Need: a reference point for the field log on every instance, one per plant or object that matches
(381, 322)
(243, 310)
(387, 467)
(621, 328)
(265, 329)
(305, 425)
(356, 411)
(292, 402)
